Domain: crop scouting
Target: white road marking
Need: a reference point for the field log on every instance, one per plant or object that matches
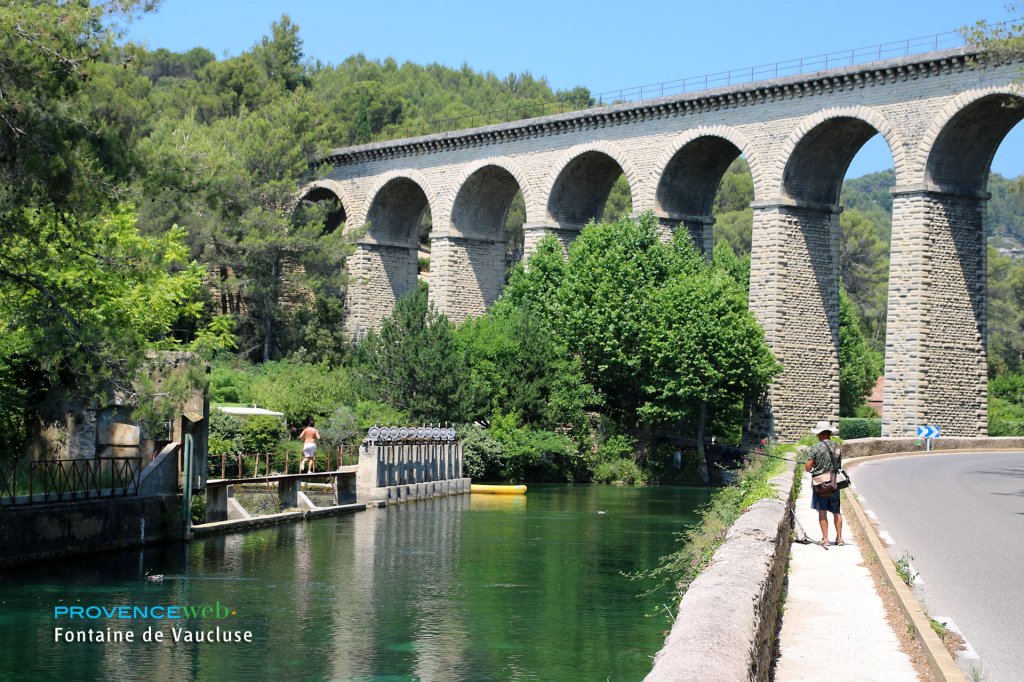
(886, 538)
(968, 651)
(918, 580)
(871, 515)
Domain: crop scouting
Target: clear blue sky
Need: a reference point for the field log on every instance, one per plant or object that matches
(598, 44)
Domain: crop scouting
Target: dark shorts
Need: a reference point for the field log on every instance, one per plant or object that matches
(828, 504)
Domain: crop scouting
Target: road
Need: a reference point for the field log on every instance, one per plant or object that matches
(961, 518)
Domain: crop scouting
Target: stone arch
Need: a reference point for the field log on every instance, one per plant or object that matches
(468, 255)
(807, 169)
(396, 201)
(955, 153)
(384, 265)
(320, 190)
(490, 181)
(580, 182)
(686, 177)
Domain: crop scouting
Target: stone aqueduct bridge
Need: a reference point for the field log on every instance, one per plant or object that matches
(942, 116)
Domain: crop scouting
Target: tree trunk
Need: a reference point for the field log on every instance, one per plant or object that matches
(703, 468)
(268, 311)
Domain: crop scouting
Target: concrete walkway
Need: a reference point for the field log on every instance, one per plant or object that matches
(834, 625)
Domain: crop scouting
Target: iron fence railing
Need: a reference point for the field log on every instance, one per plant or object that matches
(238, 465)
(692, 84)
(61, 480)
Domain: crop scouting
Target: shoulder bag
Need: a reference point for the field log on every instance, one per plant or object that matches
(826, 484)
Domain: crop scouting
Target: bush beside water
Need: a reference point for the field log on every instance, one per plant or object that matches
(699, 542)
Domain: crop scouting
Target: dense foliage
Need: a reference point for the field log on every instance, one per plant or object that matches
(148, 201)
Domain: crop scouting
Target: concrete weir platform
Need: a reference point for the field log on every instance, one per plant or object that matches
(409, 463)
(290, 516)
(408, 492)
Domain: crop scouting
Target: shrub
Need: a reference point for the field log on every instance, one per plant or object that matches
(301, 391)
(225, 440)
(261, 434)
(856, 427)
(483, 457)
(615, 448)
(532, 454)
(198, 509)
(229, 385)
(341, 427)
(1008, 387)
(623, 470)
(1005, 418)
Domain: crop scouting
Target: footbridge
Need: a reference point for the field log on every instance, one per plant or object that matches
(942, 114)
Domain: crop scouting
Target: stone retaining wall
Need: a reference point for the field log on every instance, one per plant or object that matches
(868, 447)
(32, 533)
(726, 625)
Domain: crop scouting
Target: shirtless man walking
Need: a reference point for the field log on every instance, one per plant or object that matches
(309, 437)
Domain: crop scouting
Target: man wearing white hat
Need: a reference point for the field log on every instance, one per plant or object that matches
(819, 461)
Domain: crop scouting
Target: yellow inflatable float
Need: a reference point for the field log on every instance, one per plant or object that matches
(498, 489)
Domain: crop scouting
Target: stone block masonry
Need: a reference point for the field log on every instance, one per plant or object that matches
(941, 114)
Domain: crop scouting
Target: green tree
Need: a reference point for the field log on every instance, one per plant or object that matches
(864, 264)
(90, 302)
(259, 232)
(414, 363)
(705, 349)
(281, 55)
(1005, 313)
(623, 304)
(734, 219)
(603, 303)
(859, 365)
(619, 203)
(515, 365)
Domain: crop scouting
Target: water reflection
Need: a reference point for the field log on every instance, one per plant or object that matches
(469, 587)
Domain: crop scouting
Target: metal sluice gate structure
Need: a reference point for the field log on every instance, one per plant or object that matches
(410, 462)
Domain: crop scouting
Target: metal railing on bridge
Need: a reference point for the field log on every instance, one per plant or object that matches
(692, 84)
(242, 465)
(62, 480)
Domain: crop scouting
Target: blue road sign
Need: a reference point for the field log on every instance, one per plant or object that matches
(927, 431)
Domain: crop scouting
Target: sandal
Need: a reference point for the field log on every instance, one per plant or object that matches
(824, 543)
(839, 543)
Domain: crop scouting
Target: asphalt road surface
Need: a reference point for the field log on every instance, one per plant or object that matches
(961, 518)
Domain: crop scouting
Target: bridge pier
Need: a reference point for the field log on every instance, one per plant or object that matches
(935, 347)
(460, 291)
(534, 232)
(222, 506)
(699, 228)
(379, 274)
(288, 493)
(794, 294)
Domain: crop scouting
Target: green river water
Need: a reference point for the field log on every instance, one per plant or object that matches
(459, 588)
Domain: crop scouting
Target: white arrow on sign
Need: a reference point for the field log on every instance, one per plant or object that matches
(927, 431)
